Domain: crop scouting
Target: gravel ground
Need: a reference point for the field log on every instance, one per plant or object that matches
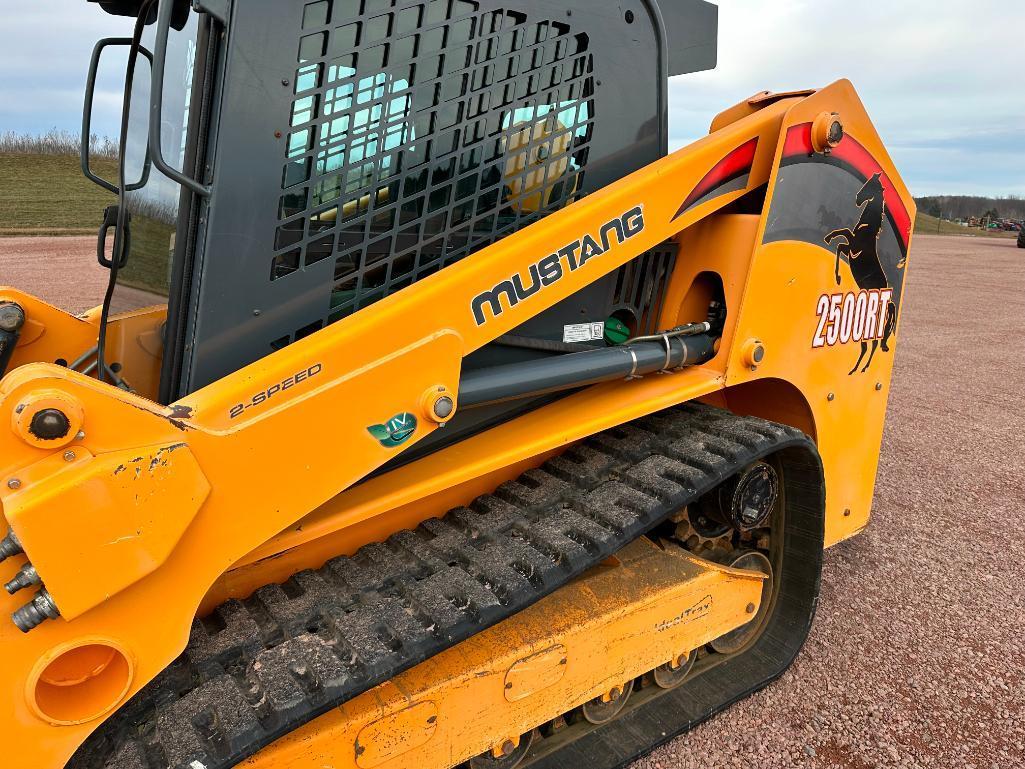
(916, 657)
(64, 272)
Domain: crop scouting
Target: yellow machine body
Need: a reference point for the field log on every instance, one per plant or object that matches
(146, 515)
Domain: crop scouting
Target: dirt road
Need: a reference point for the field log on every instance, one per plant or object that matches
(917, 655)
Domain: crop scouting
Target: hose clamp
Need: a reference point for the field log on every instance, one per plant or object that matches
(669, 353)
(633, 368)
(683, 360)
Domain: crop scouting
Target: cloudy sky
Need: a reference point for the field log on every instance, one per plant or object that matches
(944, 80)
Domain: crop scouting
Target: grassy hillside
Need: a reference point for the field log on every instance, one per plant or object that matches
(47, 195)
(930, 225)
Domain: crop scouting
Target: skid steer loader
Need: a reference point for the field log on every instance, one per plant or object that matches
(436, 415)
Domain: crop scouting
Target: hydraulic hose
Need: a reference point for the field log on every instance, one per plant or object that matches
(567, 372)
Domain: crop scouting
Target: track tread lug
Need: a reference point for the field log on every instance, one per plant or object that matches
(581, 464)
(238, 631)
(232, 724)
(535, 490)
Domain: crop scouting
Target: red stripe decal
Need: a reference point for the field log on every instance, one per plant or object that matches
(798, 141)
(851, 152)
(736, 164)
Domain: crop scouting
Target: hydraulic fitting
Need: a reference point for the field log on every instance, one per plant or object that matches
(36, 612)
(12, 318)
(27, 576)
(10, 546)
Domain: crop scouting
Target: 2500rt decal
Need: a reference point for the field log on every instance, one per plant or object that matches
(851, 317)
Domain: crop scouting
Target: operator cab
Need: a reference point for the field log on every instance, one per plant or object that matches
(314, 157)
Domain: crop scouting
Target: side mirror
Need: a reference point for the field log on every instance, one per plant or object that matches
(134, 167)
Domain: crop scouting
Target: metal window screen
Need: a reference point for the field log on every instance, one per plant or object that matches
(420, 133)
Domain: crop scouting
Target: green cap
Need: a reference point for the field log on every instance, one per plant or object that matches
(616, 331)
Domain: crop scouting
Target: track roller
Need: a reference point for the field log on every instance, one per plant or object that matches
(736, 640)
(505, 756)
(603, 709)
(675, 672)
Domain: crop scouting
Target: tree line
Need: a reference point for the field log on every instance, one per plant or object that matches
(965, 206)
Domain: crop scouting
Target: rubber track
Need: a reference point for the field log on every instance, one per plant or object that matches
(258, 669)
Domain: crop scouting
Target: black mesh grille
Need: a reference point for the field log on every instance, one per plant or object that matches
(422, 132)
(640, 288)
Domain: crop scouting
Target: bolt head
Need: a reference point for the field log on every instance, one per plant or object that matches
(50, 425)
(14, 483)
(750, 608)
(831, 397)
(508, 747)
(443, 407)
(69, 456)
(879, 386)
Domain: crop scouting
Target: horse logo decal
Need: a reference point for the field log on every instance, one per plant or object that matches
(861, 248)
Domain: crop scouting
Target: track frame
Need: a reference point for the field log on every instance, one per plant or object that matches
(304, 650)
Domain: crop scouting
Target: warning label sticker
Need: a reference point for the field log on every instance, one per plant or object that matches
(583, 332)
